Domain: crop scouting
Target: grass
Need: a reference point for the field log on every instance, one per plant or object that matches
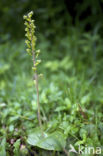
(71, 93)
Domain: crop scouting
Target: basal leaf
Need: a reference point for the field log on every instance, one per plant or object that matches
(54, 141)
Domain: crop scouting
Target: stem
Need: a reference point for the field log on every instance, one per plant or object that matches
(37, 88)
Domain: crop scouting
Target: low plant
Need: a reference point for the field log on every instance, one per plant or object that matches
(40, 138)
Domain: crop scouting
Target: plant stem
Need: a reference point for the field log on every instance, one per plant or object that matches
(37, 88)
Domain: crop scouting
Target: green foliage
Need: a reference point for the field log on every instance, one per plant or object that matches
(71, 94)
(3, 147)
(16, 148)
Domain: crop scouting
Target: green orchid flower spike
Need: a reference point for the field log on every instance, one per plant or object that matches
(31, 50)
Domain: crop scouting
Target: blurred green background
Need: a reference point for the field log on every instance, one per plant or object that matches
(70, 37)
(53, 18)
